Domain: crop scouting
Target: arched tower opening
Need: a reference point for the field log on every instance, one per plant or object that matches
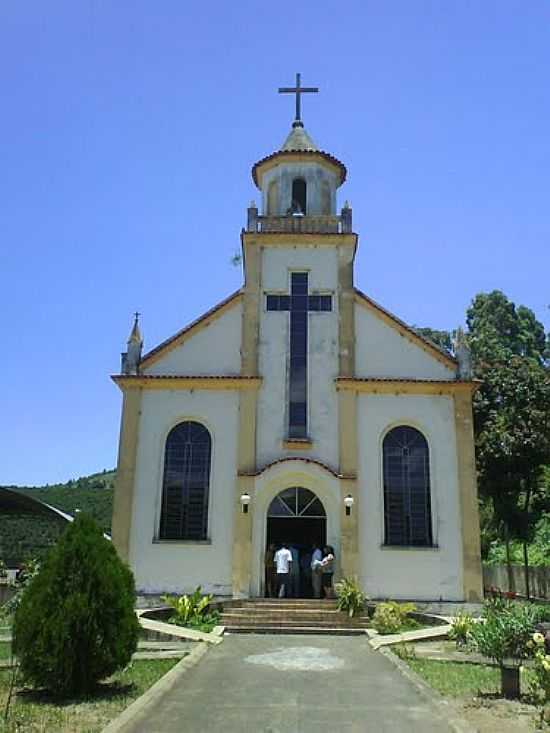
(299, 196)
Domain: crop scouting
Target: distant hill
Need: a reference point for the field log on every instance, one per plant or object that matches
(26, 536)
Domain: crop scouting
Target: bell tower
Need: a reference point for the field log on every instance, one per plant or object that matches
(298, 184)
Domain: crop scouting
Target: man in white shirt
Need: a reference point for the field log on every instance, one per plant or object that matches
(316, 571)
(283, 563)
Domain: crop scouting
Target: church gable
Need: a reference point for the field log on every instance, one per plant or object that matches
(208, 346)
(387, 348)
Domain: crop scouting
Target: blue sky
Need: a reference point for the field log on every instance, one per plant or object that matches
(127, 135)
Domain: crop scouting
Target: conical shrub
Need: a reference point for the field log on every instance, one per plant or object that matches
(76, 623)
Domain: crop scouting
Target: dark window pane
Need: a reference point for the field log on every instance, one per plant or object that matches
(184, 513)
(288, 497)
(298, 321)
(315, 509)
(326, 302)
(314, 303)
(305, 497)
(279, 508)
(299, 195)
(272, 302)
(298, 283)
(296, 502)
(297, 412)
(407, 508)
(298, 348)
(298, 302)
(284, 302)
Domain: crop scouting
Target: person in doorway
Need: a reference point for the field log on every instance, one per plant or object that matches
(283, 564)
(270, 572)
(305, 573)
(316, 570)
(327, 568)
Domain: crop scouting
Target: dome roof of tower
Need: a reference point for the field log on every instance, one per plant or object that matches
(298, 139)
(298, 144)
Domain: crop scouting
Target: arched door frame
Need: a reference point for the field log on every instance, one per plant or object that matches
(268, 485)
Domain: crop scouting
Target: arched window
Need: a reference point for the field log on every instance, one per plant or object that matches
(407, 510)
(299, 198)
(184, 514)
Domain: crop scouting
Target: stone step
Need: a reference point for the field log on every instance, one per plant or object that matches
(310, 617)
(161, 654)
(283, 605)
(290, 616)
(280, 609)
(280, 629)
(323, 602)
(144, 645)
(267, 620)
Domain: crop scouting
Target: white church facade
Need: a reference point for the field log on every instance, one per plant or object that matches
(298, 409)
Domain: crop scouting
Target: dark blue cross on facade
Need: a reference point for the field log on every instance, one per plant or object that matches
(299, 303)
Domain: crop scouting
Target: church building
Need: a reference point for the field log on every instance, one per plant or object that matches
(298, 410)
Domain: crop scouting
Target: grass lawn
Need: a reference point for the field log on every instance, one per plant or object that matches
(460, 679)
(37, 712)
(457, 679)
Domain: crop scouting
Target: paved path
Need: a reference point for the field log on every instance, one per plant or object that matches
(292, 684)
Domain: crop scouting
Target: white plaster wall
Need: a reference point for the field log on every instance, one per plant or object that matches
(313, 173)
(381, 351)
(424, 574)
(173, 566)
(274, 480)
(212, 350)
(272, 425)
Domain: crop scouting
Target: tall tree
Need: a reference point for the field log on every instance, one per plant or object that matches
(443, 339)
(511, 411)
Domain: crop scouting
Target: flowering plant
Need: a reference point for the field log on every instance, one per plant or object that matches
(540, 686)
(461, 627)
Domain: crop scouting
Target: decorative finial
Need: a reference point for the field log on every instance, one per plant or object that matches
(135, 336)
(463, 355)
(132, 357)
(298, 90)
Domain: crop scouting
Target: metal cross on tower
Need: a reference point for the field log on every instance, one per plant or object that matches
(298, 90)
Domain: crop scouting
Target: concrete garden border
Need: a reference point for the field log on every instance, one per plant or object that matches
(136, 710)
(148, 622)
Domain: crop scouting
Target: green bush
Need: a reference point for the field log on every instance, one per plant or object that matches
(505, 635)
(496, 603)
(76, 624)
(351, 598)
(542, 613)
(391, 617)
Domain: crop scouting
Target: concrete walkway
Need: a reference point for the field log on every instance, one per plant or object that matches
(293, 684)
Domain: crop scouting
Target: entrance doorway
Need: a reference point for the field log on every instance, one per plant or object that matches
(297, 517)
